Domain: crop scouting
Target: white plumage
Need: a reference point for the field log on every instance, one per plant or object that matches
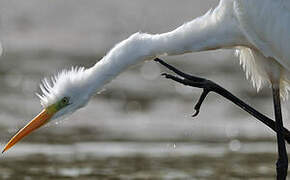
(257, 29)
(265, 24)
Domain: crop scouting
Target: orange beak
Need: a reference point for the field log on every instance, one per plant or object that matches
(41, 119)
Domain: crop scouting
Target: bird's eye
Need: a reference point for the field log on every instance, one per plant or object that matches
(65, 101)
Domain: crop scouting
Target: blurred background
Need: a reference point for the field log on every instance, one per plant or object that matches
(140, 126)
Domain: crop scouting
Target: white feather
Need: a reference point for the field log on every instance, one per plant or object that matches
(258, 29)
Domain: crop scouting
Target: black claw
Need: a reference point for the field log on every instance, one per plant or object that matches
(208, 86)
(200, 101)
(157, 59)
(164, 74)
(196, 113)
(167, 76)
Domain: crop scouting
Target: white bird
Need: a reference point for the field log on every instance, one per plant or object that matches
(257, 29)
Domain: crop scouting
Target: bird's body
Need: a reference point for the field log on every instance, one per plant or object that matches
(265, 24)
(257, 29)
(260, 37)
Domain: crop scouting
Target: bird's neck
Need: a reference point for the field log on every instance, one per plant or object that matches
(203, 33)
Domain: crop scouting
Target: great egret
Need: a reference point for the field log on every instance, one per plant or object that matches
(258, 29)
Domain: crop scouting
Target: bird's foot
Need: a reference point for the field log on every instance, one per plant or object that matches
(205, 84)
(190, 80)
(208, 86)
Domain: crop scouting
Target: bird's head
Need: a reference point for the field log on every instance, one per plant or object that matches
(63, 94)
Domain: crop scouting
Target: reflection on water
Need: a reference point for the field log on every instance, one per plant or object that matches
(136, 160)
(140, 126)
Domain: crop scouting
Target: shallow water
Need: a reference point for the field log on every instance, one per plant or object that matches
(141, 160)
(140, 126)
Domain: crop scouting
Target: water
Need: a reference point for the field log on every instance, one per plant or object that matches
(140, 160)
(140, 126)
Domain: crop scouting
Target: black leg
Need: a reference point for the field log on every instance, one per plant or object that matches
(282, 163)
(208, 86)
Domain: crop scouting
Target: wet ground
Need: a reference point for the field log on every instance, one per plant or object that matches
(140, 126)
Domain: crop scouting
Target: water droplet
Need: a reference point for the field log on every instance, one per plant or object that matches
(235, 145)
